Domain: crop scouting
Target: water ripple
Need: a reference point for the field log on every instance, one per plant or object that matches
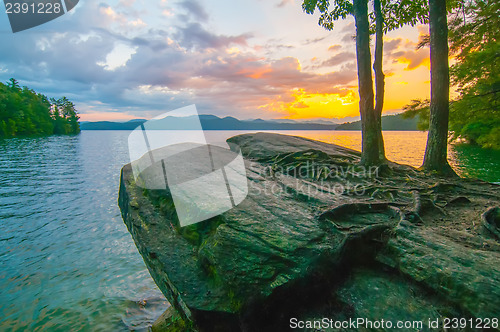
(68, 262)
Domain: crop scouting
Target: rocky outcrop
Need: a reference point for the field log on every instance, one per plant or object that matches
(467, 276)
(316, 235)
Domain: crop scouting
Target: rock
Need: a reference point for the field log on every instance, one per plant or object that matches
(470, 278)
(261, 146)
(376, 295)
(170, 321)
(311, 216)
(491, 221)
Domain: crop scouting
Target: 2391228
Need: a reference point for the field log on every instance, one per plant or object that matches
(33, 8)
(473, 323)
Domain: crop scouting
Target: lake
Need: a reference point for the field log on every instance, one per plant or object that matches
(68, 261)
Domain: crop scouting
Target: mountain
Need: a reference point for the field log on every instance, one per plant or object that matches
(107, 125)
(389, 122)
(208, 122)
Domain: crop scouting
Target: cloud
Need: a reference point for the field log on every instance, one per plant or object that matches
(133, 61)
(337, 59)
(313, 41)
(349, 38)
(414, 59)
(349, 28)
(194, 35)
(300, 105)
(334, 48)
(283, 3)
(126, 3)
(118, 57)
(391, 45)
(194, 9)
(405, 53)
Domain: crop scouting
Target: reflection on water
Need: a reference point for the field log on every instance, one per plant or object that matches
(404, 147)
(400, 146)
(474, 162)
(67, 260)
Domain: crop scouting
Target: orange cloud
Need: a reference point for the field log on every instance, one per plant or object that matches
(414, 59)
(405, 52)
(106, 116)
(254, 73)
(334, 48)
(301, 104)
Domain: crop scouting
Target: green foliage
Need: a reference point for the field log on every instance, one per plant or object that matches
(396, 12)
(420, 108)
(340, 10)
(389, 122)
(23, 112)
(474, 40)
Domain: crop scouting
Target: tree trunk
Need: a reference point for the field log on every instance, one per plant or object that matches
(370, 134)
(379, 75)
(435, 158)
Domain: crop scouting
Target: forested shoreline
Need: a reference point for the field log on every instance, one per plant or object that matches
(473, 41)
(24, 112)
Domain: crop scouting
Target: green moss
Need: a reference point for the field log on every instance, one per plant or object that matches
(236, 302)
(200, 232)
(191, 234)
(173, 324)
(195, 234)
(166, 206)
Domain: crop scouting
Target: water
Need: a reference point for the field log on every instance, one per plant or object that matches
(67, 261)
(471, 161)
(406, 147)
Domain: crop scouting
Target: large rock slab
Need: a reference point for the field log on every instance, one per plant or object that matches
(312, 215)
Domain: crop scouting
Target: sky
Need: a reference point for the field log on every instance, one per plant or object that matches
(125, 59)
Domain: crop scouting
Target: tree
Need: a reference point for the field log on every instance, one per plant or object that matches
(70, 113)
(397, 14)
(379, 73)
(23, 112)
(420, 108)
(370, 126)
(387, 15)
(475, 42)
(473, 39)
(435, 158)
(14, 84)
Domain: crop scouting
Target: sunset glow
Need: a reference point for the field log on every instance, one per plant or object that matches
(135, 61)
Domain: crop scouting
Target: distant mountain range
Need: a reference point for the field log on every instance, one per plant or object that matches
(208, 122)
(212, 122)
(389, 122)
